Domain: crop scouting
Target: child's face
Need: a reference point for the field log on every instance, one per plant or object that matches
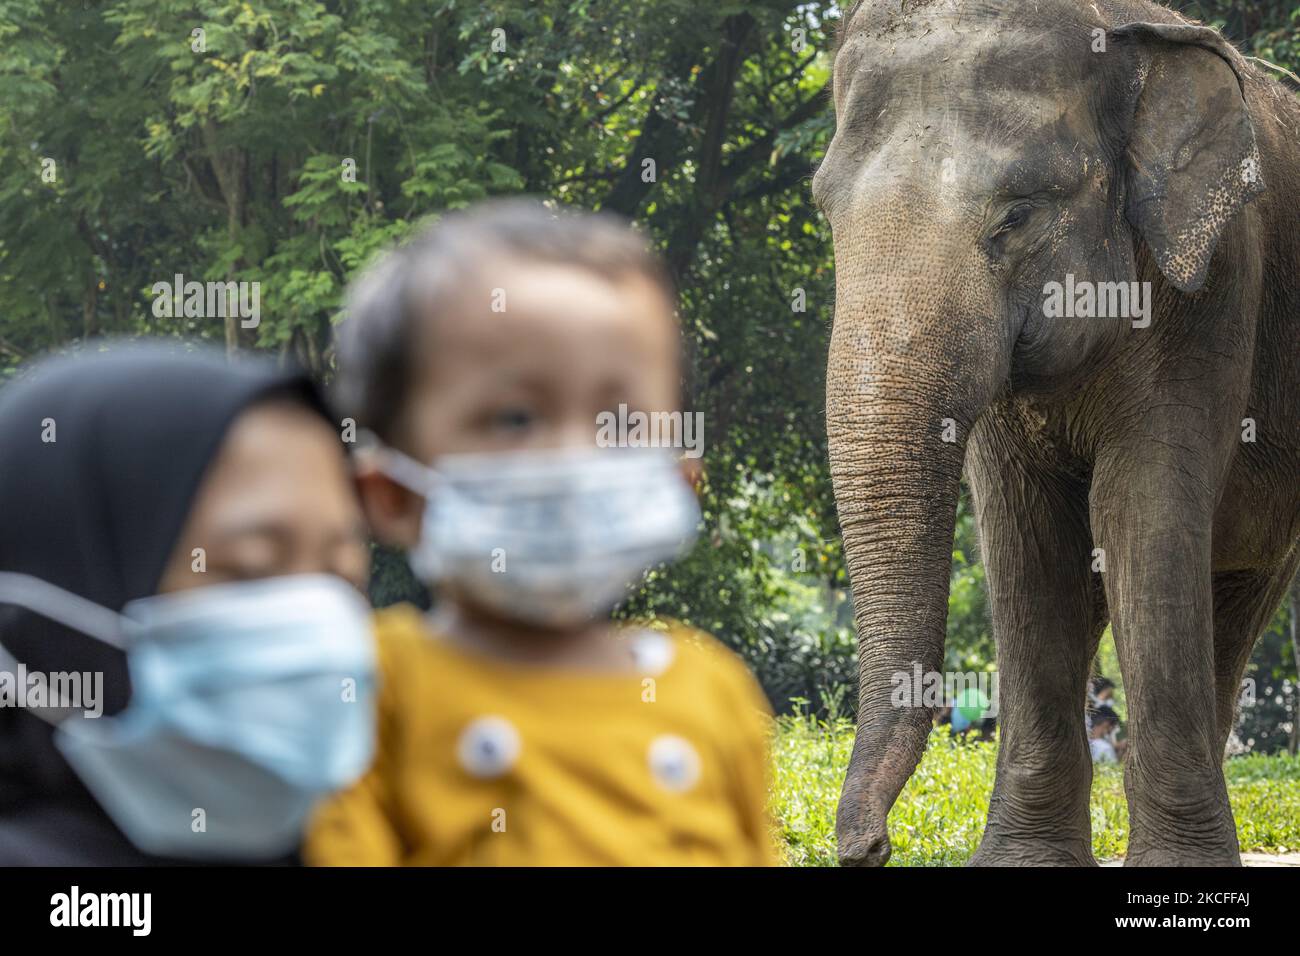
(567, 345)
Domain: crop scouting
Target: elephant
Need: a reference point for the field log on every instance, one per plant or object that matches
(1067, 267)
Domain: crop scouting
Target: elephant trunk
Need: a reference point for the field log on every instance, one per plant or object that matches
(898, 414)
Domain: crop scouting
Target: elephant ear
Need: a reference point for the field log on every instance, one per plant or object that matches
(1193, 163)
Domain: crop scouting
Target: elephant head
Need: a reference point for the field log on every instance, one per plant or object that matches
(981, 152)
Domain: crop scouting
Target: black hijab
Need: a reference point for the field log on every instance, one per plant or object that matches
(96, 512)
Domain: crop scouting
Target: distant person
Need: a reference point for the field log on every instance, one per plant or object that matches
(519, 724)
(1101, 692)
(968, 712)
(179, 562)
(1102, 723)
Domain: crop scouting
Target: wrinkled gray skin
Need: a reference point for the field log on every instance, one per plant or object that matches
(1170, 159)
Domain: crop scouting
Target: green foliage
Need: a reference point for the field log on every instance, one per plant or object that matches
(1268, 717)
(220, 154)
(940, 814)
(1269, 29)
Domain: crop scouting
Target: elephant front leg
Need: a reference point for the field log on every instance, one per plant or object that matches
(1047, 617)
(1153, 522)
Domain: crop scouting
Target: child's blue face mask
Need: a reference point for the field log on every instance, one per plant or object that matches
(548, 538)
(249, 702)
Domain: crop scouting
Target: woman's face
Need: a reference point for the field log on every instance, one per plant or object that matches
(277, 499)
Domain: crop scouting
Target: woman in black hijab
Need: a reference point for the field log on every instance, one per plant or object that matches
(111, 466)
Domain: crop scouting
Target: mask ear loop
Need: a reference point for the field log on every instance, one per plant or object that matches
(410, 474)
(70, 610)
(399, 466)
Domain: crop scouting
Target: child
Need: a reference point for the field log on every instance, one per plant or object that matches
(1102, 723)
(519, 725)
(1101, 692)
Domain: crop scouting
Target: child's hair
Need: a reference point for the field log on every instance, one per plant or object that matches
(1100, 684)
(376, 340)
(1103, 717)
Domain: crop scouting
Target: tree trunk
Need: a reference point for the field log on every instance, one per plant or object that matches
(230, 168)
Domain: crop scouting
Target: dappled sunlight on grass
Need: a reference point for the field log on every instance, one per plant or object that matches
(940, 813)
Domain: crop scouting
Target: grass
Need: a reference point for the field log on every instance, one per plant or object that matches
(940, 814)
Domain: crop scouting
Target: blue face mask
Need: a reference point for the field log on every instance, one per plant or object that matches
(249, 702)
(553, 538)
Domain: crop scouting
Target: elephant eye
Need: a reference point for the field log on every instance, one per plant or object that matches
(1016, 217)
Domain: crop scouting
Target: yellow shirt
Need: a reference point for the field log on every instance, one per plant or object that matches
(487, 762)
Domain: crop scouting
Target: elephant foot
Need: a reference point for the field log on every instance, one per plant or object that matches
(1021, 851)
(1183, 823)
(1182, 856)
